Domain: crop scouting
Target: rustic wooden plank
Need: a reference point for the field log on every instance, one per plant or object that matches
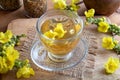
(17, 28)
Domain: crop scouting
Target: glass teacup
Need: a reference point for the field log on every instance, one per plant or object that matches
(59, 32)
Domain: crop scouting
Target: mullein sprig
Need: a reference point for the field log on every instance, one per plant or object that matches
(24, 68)
(9, 56)
(111, 44)
(113, 63)
(13, 41)
(107, 42)
(62, 5)
(102, 23)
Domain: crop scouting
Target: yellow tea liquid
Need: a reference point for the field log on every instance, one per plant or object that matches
(65, 44)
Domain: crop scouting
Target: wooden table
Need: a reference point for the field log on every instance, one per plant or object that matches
(6, 17)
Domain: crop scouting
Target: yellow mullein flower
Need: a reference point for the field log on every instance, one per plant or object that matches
(50, 34)
(74, 7)
(77, 27)
(59, 4)
(90, 13)
(11, 55)
(5, 37)
(75, 1)
(59, 30)
(103, 26)
(9, 34)
(25, 72)
(3, 65)
(112, 65)
(108, 43)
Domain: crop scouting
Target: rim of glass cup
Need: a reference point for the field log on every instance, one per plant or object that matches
(64, 12)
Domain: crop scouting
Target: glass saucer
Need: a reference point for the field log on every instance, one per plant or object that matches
(40, 57)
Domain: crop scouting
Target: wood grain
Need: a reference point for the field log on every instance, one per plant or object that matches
(79, 72)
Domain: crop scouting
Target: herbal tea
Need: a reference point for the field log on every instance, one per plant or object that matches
(59, 34)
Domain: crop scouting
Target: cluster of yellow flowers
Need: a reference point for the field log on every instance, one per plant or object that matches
(57, 33)
(102, 23)
(107, 42)
(113, 63)
(104, 26)
(9, 56)
(7, 59)
(61, 4)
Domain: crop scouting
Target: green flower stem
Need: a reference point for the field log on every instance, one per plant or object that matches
(16, 39)
(117, 48)
(94, 20)
(20, 64)
(114, 29)
(90, 20)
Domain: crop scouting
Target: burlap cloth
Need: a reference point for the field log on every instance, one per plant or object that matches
(83, 71)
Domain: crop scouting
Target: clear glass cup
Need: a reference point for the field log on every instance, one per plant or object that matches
(60, 50)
